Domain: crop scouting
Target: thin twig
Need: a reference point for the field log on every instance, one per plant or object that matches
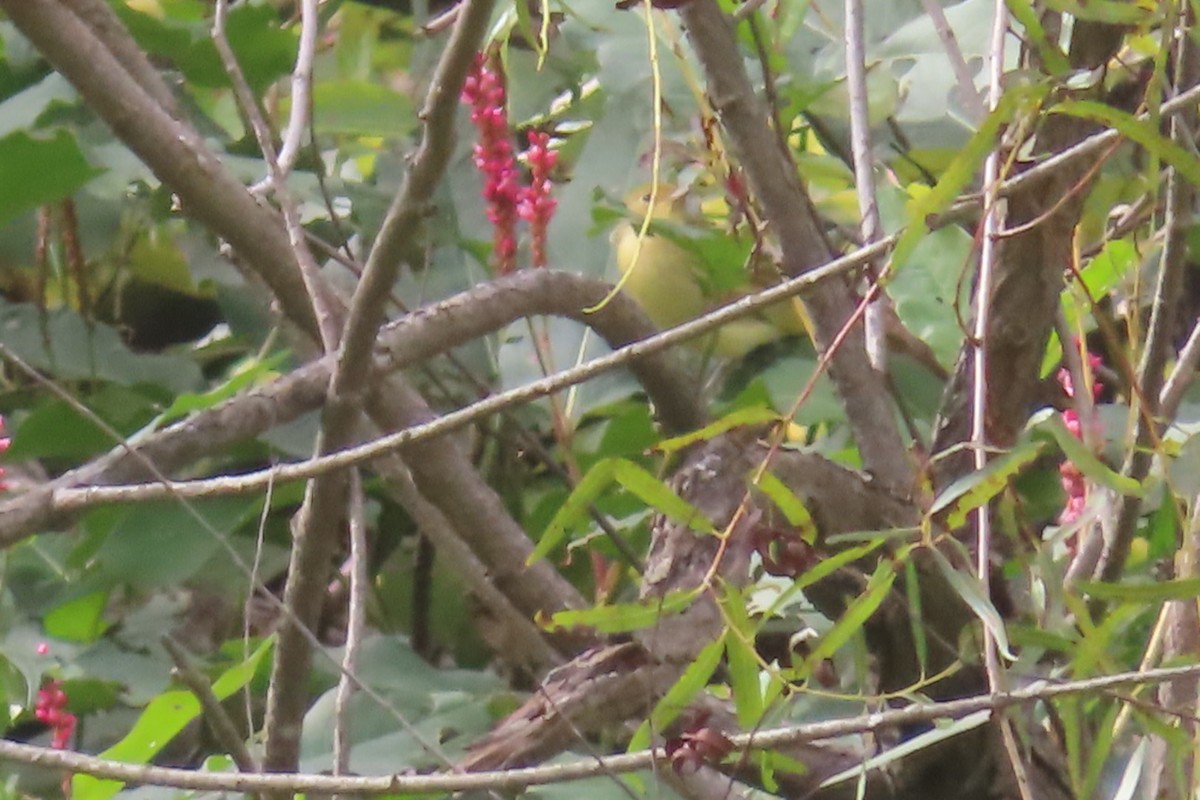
(298, 117)
(786, 205)
(916, 713)
(355, 621)
(222, 726)
(324, 307)
(993, 222)
(870, 226)
(74, 499)
(349, 386)
(1182, 375)
(232, 552)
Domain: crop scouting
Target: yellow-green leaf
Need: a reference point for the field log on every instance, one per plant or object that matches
(622, 617)
(792, 506)
(978, 488)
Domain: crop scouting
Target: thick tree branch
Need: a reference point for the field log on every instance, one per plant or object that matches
(514, 634)
(317, 526)
(1027, 281)
(789, 210)
(109, 29)
(427, 426)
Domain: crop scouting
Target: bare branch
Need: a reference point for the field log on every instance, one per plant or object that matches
(325, 307)
(359, 579)
(514, 635)
(408, 341)
(318, 523)
(109, 29)
(864, 175)
(916, 713)
(222, 726)
(789, 210)
(66, 498)
(298, 117)
(962, 73)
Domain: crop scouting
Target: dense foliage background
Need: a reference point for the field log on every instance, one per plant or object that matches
(184, 298)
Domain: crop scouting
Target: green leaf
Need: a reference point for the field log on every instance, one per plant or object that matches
(162, 543)
(360, 108)
(23, 109)
(855, 616)
(247, 375)
(34, 172)
(1051, 423)
(940, 732)
(962, 170)
(1111, 12)
(967, 587)
(912, 588)
(1028, 17)
(90, 351)
(1142, 593)
(976, 489)
(78, 620)
(792, 506)
(753, 415)
(575, 508)
(655, 493)
(1143, 132)
(742, 659)
(160, 722)
(622, 617)
(264, 50)
(823, 568)
(677, 698)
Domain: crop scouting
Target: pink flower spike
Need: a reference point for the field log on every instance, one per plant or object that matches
(51, 709)
(493, 157)
(4, 443)
(537, 205)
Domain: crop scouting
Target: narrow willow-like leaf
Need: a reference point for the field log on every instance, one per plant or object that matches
(826, 567)
(1141, 131)
(938, 733)
(162, 719)
(622, 617)
(792, 506)
(1049, 422)
(1100, 751)
(251, 373)
(912, 587)
(655, 493)
(976, 489)
(1110, 12)
(575, 508)
(743, 661)
(754, 415)
(856, 615)
(1142, 593)
(1052, 56)
(967, 587)
(962, 170)
(693, 679)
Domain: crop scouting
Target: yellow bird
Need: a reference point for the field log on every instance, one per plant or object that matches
(667, 281)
